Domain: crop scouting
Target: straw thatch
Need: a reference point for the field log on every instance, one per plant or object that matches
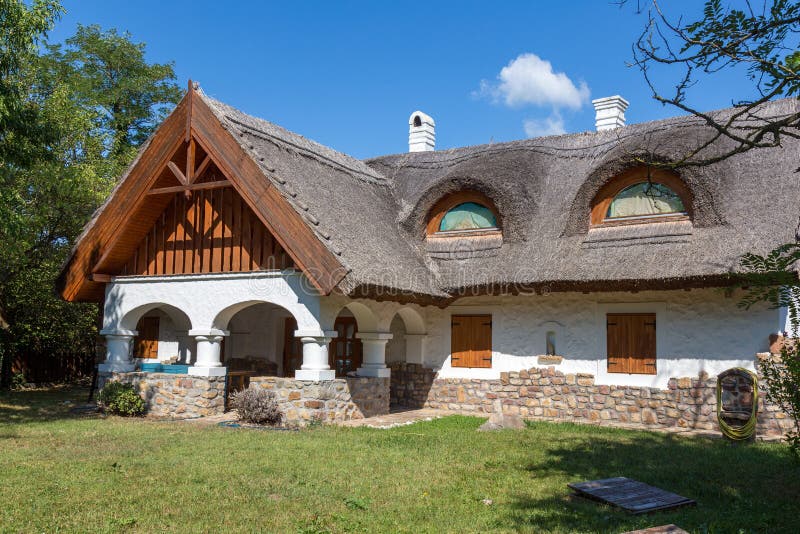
(373, 213)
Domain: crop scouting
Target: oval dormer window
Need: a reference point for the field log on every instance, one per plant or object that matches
(464, 212)
(468, 216)
(645, 199)
(642, 195)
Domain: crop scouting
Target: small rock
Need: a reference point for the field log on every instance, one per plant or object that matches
(499, 421)
(487, 502)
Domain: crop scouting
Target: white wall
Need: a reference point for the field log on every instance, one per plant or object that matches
(396, 347)
(208, 301)
(698, 330)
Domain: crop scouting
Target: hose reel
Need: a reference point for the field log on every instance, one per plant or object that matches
(737, 403)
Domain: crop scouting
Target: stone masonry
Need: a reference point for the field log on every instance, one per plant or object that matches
(547, 394)
(174, 396)
(331, 401)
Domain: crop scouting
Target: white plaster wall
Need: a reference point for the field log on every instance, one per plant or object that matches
(698, 330)
(209, 300)
(396, 347)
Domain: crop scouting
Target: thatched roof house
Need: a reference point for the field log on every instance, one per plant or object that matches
(469, 262)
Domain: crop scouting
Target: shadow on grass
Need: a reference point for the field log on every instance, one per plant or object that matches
(40, 405)
(738, 488)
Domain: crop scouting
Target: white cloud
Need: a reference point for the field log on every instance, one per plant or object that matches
(552, 125)
(529, 79)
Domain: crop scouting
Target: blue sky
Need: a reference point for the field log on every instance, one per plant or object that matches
(349, 74)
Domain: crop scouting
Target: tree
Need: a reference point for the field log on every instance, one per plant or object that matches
(764, 46)
(759, 44)
(107, 72)
(22, 27)
(98, 99)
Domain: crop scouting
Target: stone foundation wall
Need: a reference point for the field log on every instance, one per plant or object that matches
(174, 396)
(547, 394)
(410, 384)
(331, 401)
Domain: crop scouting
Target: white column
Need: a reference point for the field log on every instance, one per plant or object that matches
(415, 348)
(207, 354)
(118, 351)
(374, 363)
(315, 355)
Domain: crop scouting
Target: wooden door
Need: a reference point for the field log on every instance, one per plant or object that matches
(631, 341)
(147, 339)
(344, 353)
(292, 348)
(471, 341)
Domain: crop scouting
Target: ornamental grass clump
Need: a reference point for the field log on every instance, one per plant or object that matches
(121, 399)
(258, 406)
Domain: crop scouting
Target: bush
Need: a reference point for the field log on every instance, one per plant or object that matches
(256, 405)
(121, 399)
(18, 381)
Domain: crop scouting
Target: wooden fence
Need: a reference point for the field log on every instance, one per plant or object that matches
(50, 367)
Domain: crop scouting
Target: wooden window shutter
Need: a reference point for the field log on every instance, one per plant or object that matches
(471, 341)
(631, 343)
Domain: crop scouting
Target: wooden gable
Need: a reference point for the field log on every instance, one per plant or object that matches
(194, 178)
(211, 231)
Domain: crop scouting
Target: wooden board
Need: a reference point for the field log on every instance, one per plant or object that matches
(632, 496)
(204, 229)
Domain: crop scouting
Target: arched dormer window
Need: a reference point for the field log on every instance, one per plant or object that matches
(642, 195)
(462, 213)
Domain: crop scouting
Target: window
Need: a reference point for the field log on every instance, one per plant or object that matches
(471, 341)
(645, 200)
(639, 196)
(468, 216)
(631, 341)
(465, 212)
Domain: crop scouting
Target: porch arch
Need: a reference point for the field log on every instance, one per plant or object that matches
(411, 341)
(366, 319)
(131, 318)
(305, 321)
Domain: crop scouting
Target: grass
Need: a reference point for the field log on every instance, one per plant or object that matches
(61, 473)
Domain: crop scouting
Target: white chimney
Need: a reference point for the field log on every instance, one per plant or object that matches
(609, 112)
(421, 132)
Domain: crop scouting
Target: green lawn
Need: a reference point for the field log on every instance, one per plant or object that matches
(61, 473)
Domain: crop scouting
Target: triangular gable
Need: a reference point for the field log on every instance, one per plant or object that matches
(211, 231)
(174, 162)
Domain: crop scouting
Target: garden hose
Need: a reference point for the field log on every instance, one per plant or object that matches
(747, 430)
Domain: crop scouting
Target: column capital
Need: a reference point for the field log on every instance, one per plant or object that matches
(118, 332)
(323, 336)
(208, 332)
(374, 336)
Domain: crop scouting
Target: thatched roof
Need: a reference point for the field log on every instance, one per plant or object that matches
(373, 213)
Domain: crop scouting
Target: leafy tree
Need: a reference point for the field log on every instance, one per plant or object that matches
(107, 72)
(98, 99)
(761, 43)
(773, 281)
(22, 27)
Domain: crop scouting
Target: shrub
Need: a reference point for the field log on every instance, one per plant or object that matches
(256, 405)
(18, 381)
(121, 399)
